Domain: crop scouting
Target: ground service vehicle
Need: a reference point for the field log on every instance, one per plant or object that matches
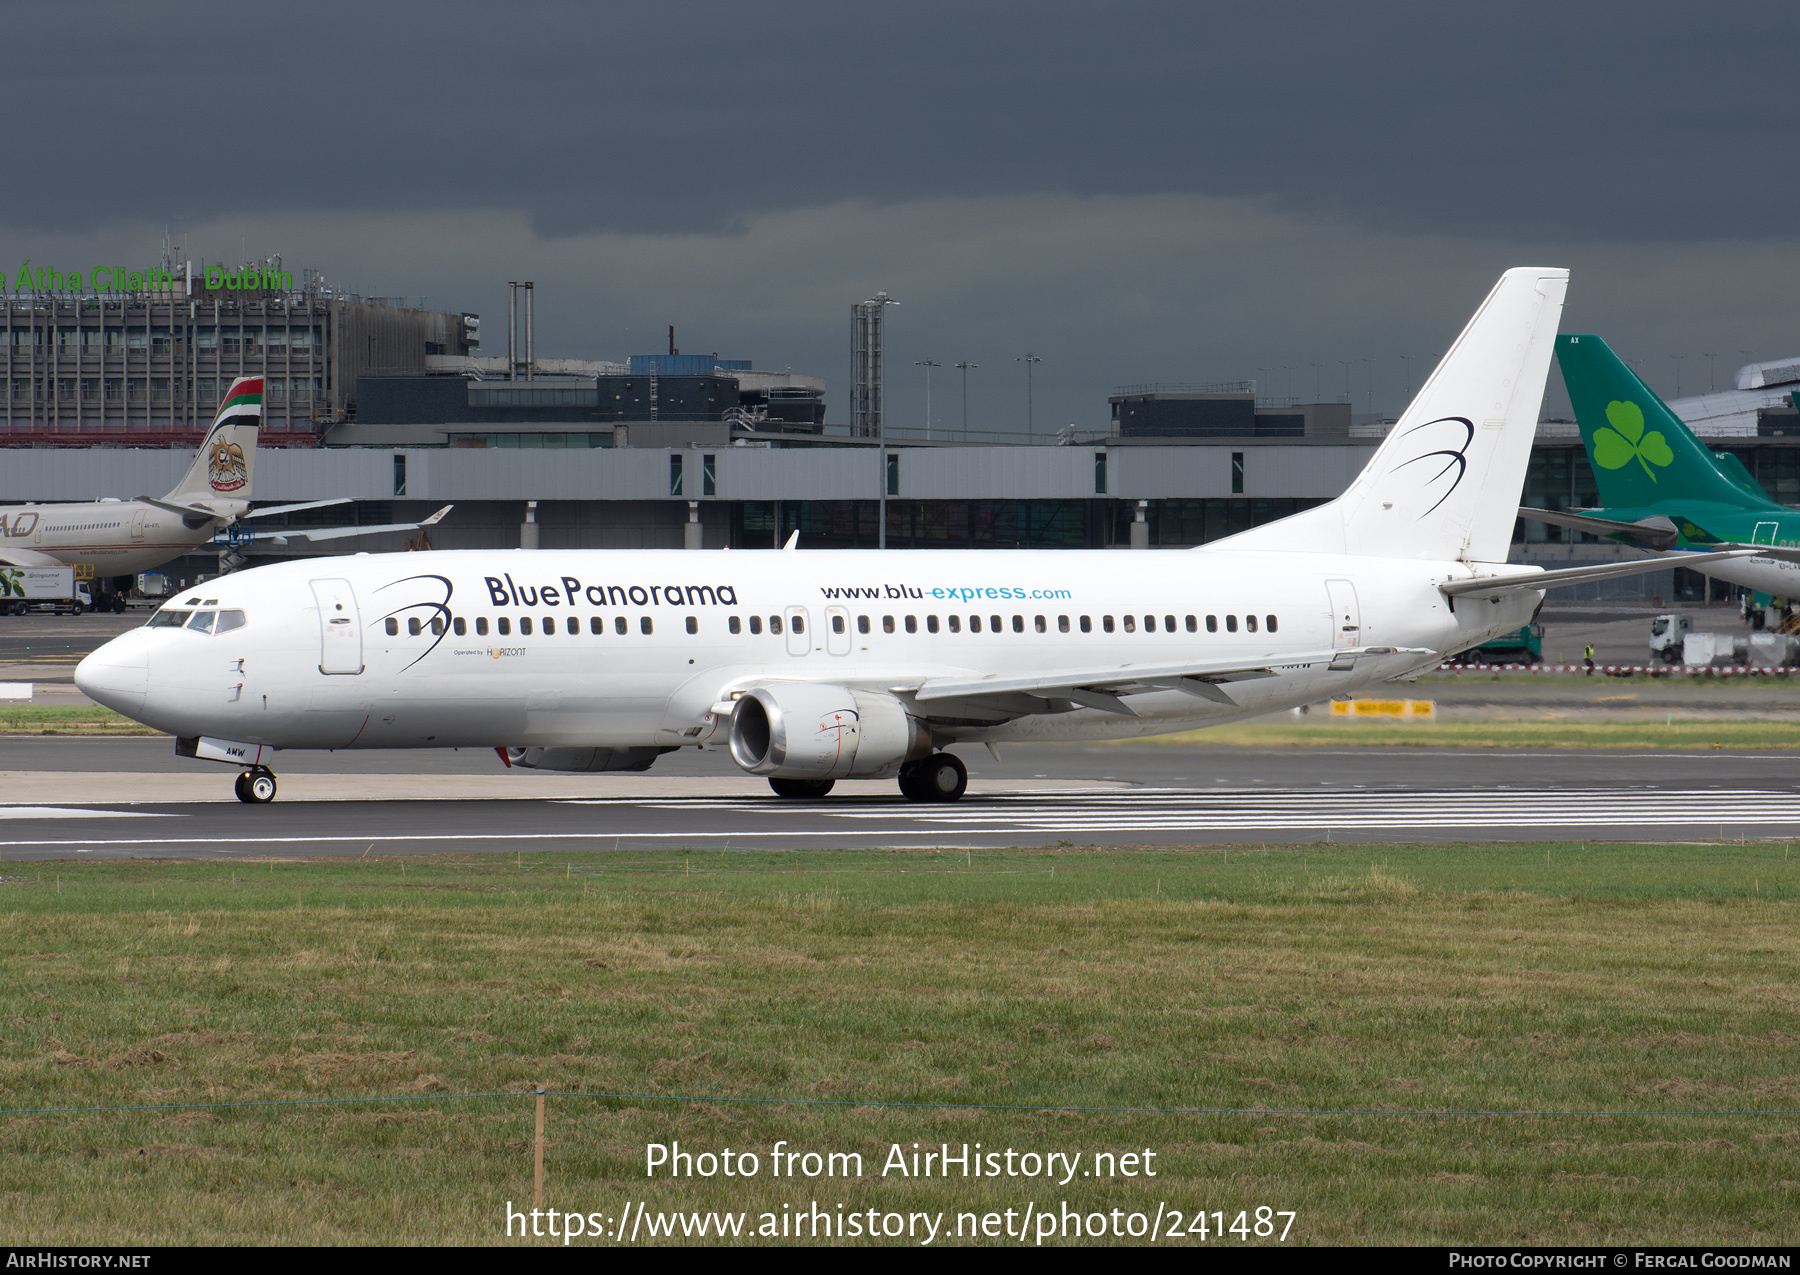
(1667, 633)
(24, 589)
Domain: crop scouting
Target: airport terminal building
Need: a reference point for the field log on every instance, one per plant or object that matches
(394, 407)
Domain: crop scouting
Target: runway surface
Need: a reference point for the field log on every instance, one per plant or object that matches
(126, 798)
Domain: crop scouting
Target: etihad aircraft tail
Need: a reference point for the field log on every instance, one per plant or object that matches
(1445, 483)
(225, 466)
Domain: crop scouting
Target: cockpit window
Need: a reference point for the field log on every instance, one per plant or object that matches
(167, 619)
(203, 621)
(191, 602)
(229, 620)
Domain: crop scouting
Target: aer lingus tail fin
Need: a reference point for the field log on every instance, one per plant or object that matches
(1642, 453)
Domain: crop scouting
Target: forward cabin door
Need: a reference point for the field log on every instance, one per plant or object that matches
(1346, 616)
(340, 627)
(137, 523)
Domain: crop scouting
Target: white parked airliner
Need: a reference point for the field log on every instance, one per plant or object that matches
(817, 666)
(119, 538)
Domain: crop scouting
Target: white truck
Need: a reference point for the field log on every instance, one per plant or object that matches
(25, 589)
(1667, 634)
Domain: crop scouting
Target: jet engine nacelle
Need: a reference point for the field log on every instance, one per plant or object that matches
(809, 730)
(585, 758)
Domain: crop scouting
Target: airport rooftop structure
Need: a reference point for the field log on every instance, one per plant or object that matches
(144, 362)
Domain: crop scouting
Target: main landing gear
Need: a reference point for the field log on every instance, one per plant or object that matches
(939, 777)
(256, 786)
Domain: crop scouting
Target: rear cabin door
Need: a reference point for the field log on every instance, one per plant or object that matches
(1764, 533)
(340, 627)
(137, 523)
(1346, 616)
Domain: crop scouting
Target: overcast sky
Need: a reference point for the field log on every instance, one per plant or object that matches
(1134, 192)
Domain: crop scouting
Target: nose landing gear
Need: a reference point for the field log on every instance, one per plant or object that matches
(256, 786)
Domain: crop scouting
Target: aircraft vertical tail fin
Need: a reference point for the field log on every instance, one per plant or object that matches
(225, 466)
(1641, 452)
(1446, 481)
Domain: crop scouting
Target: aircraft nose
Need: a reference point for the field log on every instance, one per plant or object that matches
(117, 675)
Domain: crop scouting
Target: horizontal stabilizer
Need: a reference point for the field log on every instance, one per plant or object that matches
(187, 512)
(1655, 532)
(1535, 580)
(340, 533)
(269, 510)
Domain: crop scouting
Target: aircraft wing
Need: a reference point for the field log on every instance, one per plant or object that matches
(1654, 532)
(1496, 584)
(27, 558)
(1104, 686)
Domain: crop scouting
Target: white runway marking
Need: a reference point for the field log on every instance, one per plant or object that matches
(1271, 810)
(62, 812)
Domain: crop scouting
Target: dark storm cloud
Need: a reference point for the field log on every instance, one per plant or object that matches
(1585, 121)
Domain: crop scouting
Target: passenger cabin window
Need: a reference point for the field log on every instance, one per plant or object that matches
(1149, 624)
(1019, 623)
(524, 626)
(437, 627)
(955, 623)
(1041, 624)
(597, 625)
(1272, 624)
(1169, 623)
(1106, 623)
(1087, 624)
(549, 626)
(693, 625)
(1130, 623)
(461, 626)
(393, 627)
(1250, 623)
(735, 625)
(994, 622)
(481, 626)
(799, 624)
(1212, 624)
(756, 624)
(620, 626)
(1192, 627)
(412, 628)
(1231, 624)
(647, 626)
(931, 624)
(1062, 624)
(912, 624)
(572, 625)
(974, 624)
(862, 624)
(887, 623)
(503, 626)
(775, 625)
(837, 624)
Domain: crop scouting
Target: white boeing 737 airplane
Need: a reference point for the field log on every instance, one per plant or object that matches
(814, 667)
(119, 538)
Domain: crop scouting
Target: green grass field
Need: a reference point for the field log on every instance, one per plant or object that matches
(1366, 983)
(1276, 731)
(1285, 732)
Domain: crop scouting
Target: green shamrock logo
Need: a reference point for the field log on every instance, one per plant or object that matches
(1626, 441)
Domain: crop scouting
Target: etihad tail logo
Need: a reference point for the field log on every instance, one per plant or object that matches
(1626, 441)
(226, 468)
